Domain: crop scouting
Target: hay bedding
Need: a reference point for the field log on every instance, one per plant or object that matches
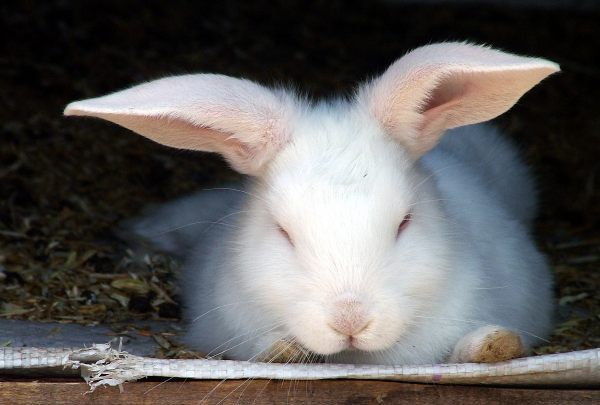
(65, 184)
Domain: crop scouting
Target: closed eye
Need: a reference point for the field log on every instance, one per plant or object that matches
(285, 234)
(403, 224)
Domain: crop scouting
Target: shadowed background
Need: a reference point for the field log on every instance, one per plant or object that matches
(66, 183)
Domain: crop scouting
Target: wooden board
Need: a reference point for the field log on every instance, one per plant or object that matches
(72, 391)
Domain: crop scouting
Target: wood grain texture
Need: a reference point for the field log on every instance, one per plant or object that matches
(69, 391)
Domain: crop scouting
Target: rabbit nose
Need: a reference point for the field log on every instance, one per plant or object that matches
(349, 317)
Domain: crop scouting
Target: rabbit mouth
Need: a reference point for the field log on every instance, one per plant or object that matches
(359, 344)
(341, 344)
(355, 343)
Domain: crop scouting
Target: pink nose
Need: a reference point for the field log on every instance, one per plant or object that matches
(349, 317)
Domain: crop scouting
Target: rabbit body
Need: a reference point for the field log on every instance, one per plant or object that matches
(484, 197)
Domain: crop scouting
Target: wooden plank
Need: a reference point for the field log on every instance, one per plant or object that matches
(69, 391)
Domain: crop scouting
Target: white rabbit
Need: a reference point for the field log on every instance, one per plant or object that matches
(357, 239)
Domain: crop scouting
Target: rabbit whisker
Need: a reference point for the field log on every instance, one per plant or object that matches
(245, 341)
(236, 190)
(219, 307)
(481, 323)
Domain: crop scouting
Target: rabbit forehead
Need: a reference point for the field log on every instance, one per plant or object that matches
(341, 179)
(339, 148)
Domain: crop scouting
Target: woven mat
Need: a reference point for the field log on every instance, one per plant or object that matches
(105, 365)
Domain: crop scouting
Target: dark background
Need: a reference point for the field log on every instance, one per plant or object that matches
(66, 183)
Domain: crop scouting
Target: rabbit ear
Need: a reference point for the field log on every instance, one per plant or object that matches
(243, 121)
(447, 85)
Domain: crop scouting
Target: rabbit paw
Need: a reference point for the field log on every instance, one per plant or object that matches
(284, 351)
(488, 344)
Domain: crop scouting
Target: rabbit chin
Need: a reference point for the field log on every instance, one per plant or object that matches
(323, 340)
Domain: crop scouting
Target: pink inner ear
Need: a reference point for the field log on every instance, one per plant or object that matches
(465, 98)
(436, 113)
(182, 134)
(446, 93)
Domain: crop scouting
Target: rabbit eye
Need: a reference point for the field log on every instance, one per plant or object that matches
(285, 234)
(404, 224)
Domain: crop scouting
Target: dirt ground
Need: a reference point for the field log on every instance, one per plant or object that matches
(66, 183)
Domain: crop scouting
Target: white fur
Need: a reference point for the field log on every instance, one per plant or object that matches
(340, 181)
